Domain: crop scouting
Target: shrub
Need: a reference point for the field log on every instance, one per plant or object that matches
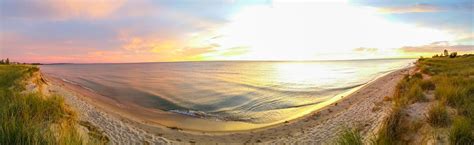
(453, 54)
(438, 116)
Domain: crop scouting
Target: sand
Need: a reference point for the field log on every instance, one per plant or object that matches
(364, 109)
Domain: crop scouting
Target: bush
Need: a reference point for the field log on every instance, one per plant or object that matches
(438, 116)
(453, 55)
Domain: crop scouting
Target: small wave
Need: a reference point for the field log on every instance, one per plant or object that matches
(77, 84)
(197, 114)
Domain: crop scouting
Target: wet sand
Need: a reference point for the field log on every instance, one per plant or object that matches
(363, 109)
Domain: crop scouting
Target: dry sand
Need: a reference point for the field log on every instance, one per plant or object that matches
(363, 109)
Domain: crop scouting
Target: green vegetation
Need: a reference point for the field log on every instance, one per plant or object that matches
(461, 132)
(452, 79)
(409, 90)
(391, 129)
(32, 118)
(7, 61)
(349, 137)
(438, 116)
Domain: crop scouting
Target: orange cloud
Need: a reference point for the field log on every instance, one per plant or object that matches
(164, 49)
(85, 8)
(418, 8)
(61, 9)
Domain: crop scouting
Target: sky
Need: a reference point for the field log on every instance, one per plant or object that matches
(119, 31)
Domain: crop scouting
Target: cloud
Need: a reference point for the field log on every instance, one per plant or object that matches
(364, 49)
(437, 47)
(59, 9)
(417, 8)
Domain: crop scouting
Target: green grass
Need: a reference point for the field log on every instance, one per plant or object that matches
(452, 79)
(461, 132)
(32, 118)
(409, 90)
(391, 129)
(349, 137)
(438, 116)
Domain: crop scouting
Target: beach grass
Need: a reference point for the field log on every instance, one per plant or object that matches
(31, 117)
(391, 129)
(438, 116)
(349, 137)
(452, 80)
(461, 132)
(409, 90)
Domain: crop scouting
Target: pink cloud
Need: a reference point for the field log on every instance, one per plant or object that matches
(418, 8)
(438, 47)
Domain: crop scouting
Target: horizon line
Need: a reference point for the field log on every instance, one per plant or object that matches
(321, 60)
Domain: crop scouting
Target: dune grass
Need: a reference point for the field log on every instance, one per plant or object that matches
(453, 82)
(391, 129)
(349, 137)
(438, 116)
(409, 90)
(32, 118)
(461, 132)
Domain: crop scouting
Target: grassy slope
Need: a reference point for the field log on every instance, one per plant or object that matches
(452, 80)
(454, 87)
(32, 118)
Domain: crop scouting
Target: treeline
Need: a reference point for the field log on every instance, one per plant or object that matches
(450, 55)
(6, 61)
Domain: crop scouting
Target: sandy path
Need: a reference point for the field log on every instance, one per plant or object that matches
(364, 109)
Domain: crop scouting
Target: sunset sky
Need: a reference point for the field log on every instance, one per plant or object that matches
(88, 31)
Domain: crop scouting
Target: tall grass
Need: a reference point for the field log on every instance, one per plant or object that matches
(349, 137)
(461, 132)
(31, 118)
(409, 90)
(391, 129)
(454, 81)
(438, 116)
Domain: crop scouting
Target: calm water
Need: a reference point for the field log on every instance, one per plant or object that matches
(252, 92)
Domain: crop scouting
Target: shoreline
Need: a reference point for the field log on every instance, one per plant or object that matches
(316, 125)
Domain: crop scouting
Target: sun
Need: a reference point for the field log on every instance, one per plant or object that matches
(312, 30)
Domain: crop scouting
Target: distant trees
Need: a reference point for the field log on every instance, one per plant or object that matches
(453, 54)
(447, 54)
(7, 61)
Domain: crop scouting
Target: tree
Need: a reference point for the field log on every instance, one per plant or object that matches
(453, 54)
(1, 61)
(7, 61)
(446, 53)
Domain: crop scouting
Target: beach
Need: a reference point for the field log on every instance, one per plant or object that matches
(363, 108)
